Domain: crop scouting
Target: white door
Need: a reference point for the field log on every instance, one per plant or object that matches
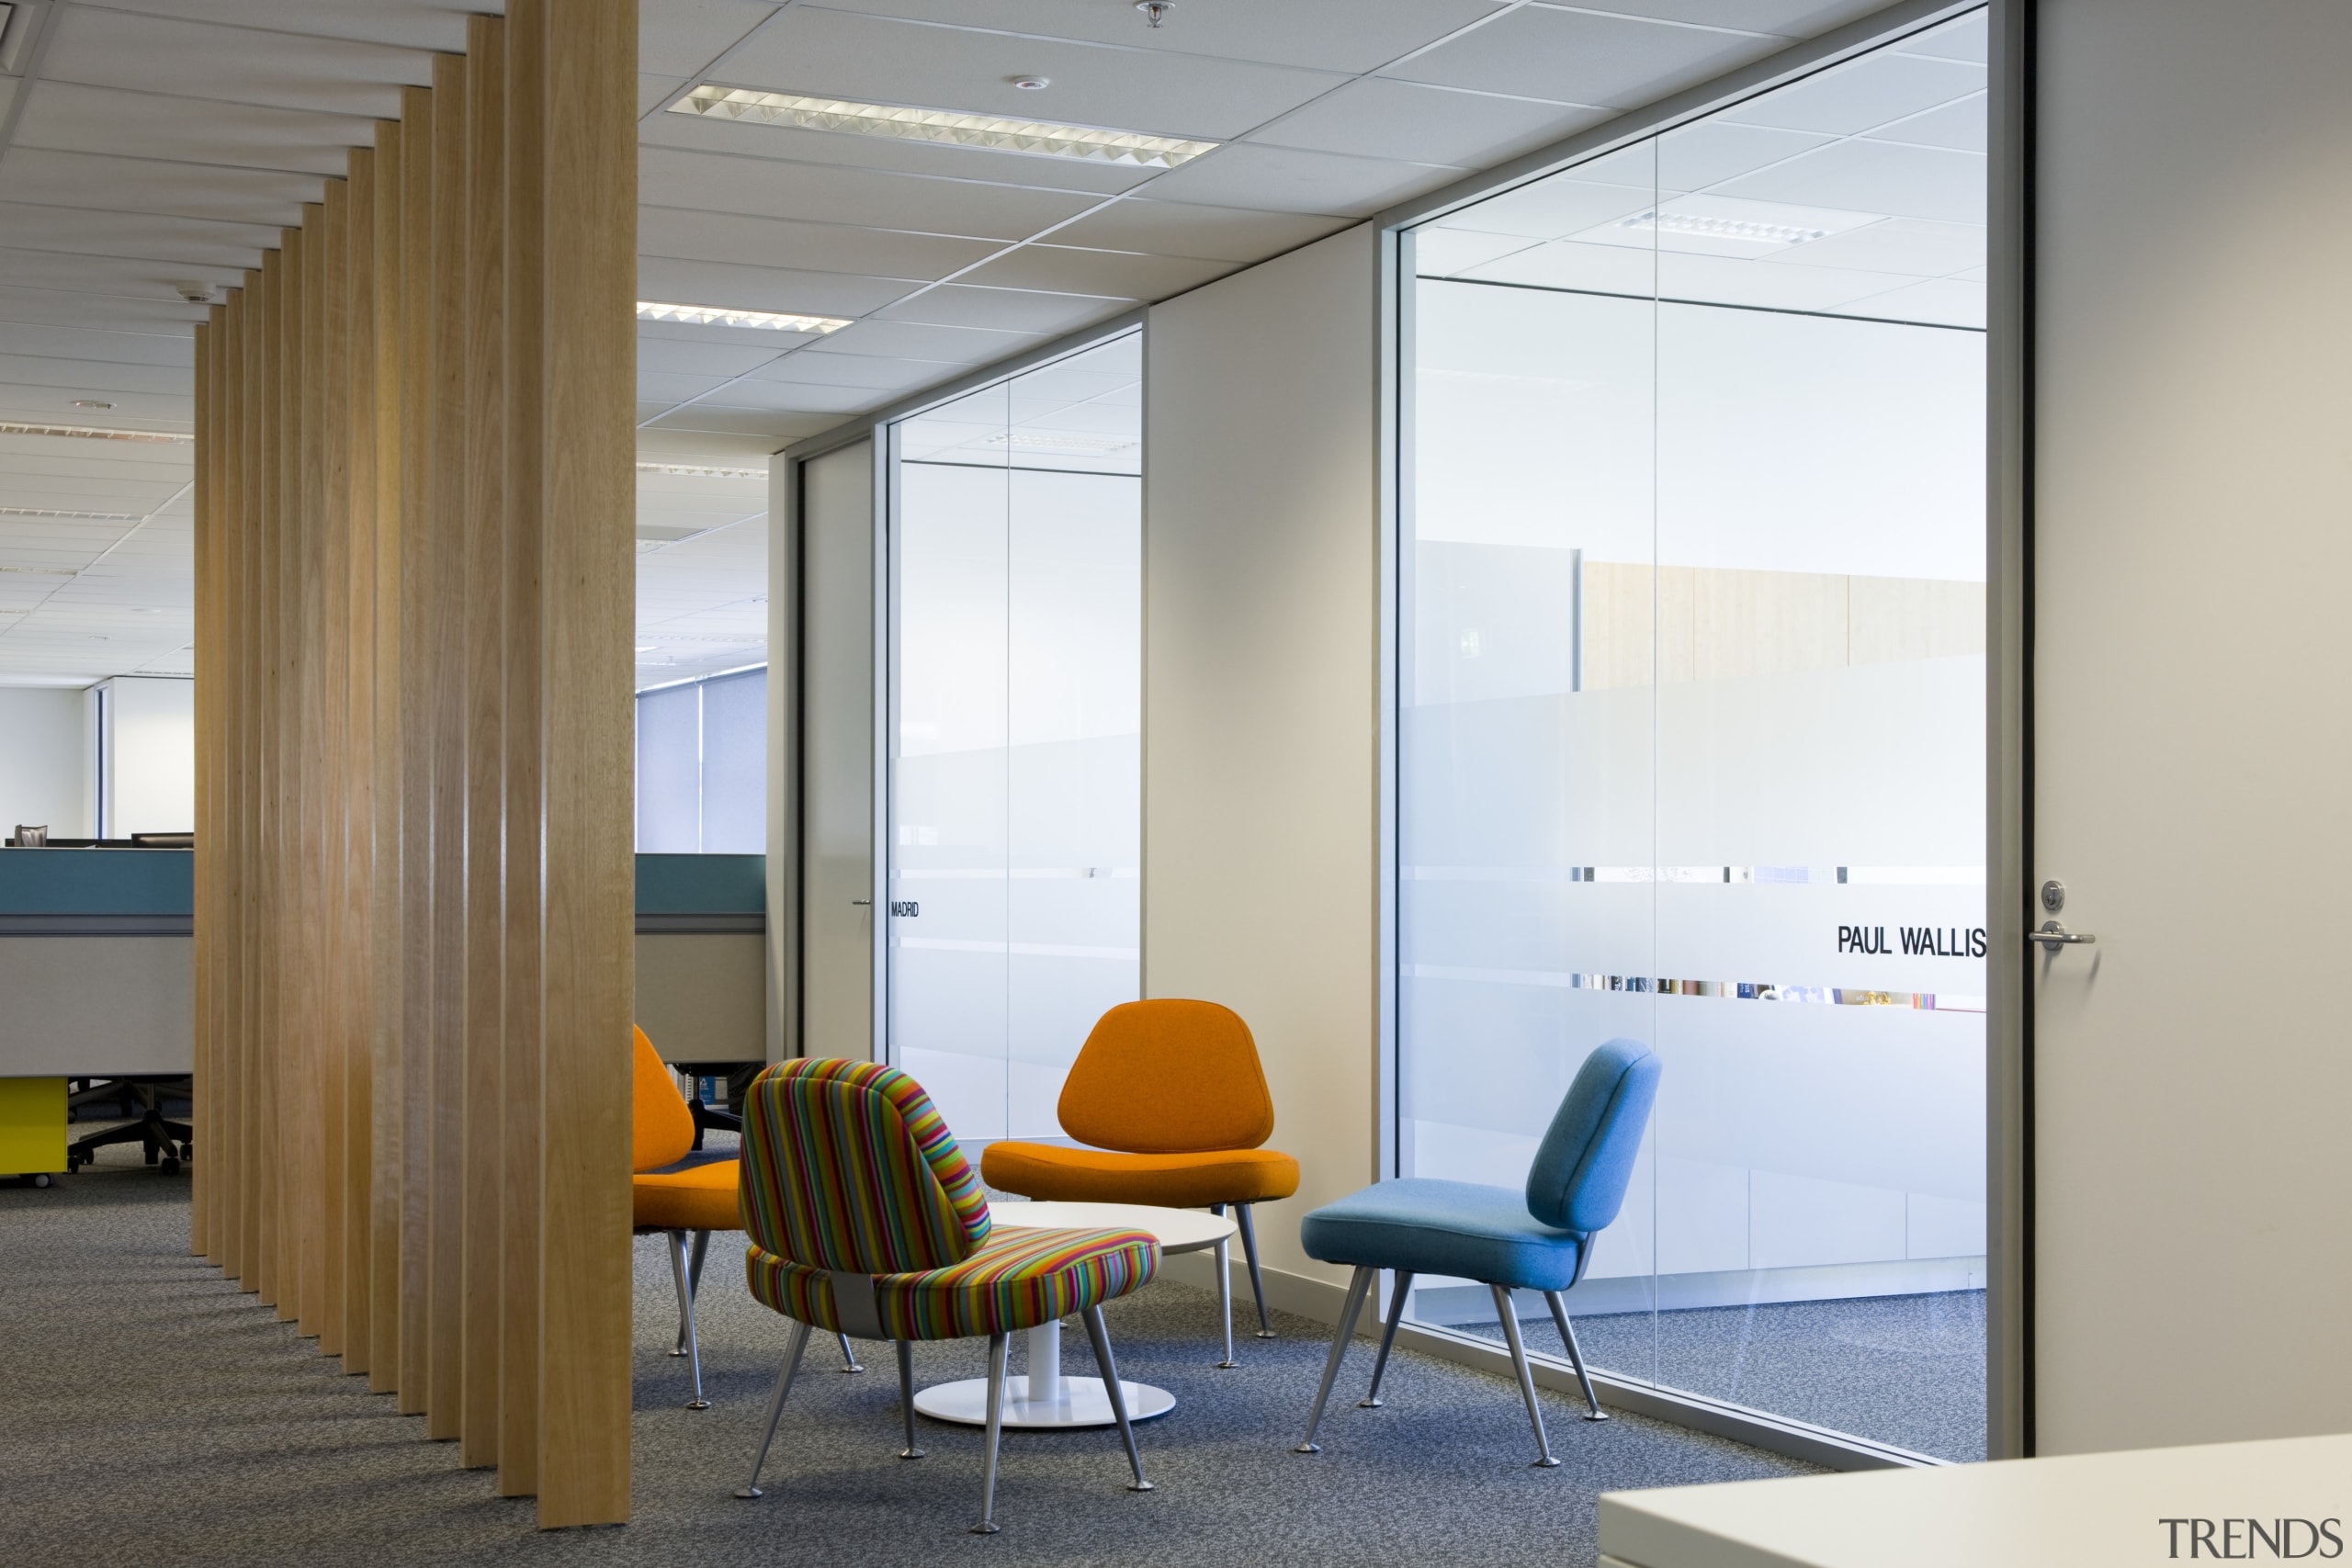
(837, 782)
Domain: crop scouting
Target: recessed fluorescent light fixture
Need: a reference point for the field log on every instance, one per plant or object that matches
(1725, 228)
(718, 316)
(92, 433)
(696, 471)
(76, 516)
(943, 125)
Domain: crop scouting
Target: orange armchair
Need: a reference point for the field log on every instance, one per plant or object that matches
(1171, 1098)
(681, 1192)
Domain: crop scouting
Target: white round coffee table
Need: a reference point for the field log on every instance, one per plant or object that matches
(1083, 1402)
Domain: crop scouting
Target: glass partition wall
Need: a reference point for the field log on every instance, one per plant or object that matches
(1016, 727)
(1692, 732)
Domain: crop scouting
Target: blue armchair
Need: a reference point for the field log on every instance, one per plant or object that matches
(1541, 1240)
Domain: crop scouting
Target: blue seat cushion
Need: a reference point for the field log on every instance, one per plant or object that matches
(1444, 1227)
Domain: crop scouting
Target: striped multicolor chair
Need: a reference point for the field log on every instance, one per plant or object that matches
(864, 1219)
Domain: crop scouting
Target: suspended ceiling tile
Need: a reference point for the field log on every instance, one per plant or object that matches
(1379, 117)
(680, 36)
(799, 397)
(1286, 179)
(1964, 38)
(235, 246)
(1945, 301)
(1863, 93)
(104, 47)
(652, 92)
(1963, 125)
(1875, 176)
(1328, 35)
(1711, 151)
(670, 390)
(33, 403)
(1184, 228)
(1013, 310)
(1604, 269)
(666, 357)
(780, 427)
(268, 198)
(95, 375)
(411, 24)
(696, 333)
(812, 247)
(857, 370)
(676, 281)
(1112, 272)
(1792, 19)
(1584, 58)
(876, 60)
(850, 150)
(1438, 253)
(117, 277)
(1725, 280)
(67, 117)
(1908, 245)
(762, 188)
(688, 447)
(910, 340)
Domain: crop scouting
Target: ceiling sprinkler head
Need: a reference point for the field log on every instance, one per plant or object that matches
(92, 403)
(1154, 11)
(1031, 83)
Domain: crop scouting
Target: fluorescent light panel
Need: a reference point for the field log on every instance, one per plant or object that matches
(696, 471)
(1070, 444)
(93, 433)
(720, 316)
(1725, 228)
(943, 125)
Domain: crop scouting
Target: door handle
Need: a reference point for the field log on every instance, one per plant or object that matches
(2054, 936)
(860, 903)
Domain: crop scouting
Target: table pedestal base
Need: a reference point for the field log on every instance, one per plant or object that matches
(1064, 1402)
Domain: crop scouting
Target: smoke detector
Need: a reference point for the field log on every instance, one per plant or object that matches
(194, 293)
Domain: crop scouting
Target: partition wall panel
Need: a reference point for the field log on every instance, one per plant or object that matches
(414, 885)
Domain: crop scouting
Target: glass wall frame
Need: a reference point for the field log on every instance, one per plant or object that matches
(1669, 929)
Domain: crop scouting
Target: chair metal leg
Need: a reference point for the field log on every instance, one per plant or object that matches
(1387, 1337)
(1224, 1295)
(694, 1287)
(850, 1362)
(776, 1406)
(1576, 1355)
(999, 1345)
(1357, 1288)
(1510, 1316)
(1100, 1338)
(677, 1240)
(906, 1396)
(1257, 1280)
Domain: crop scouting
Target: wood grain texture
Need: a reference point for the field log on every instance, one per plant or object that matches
(442, 661)
(205, 856)
(483, 512)
(522, 315)
(251, 782)
(588, 276)
(416, 750)
(355, 969)
(312, 1043)
(389, 1086)
(331, 654)
(269, 816)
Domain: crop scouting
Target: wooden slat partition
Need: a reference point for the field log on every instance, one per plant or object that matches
(414, 590)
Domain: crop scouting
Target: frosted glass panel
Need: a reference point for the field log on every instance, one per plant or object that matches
(1016, 796)
(1693, 737)
(735, 764)
(669, 772)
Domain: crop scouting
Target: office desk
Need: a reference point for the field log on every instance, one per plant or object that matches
(96, 963)
(2081, 1510)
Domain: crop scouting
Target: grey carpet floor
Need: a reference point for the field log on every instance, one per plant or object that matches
(152, 1413)
(1903, 1370)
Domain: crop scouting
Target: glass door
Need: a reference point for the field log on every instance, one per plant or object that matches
(1693, 732)
(1016, 735)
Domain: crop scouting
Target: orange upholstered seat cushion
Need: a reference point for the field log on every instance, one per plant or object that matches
(1189, 1181)
(694, 1194)
(662, 1128)
(1168, 1077)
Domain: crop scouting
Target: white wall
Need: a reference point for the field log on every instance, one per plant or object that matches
(44, 762)
(2191, 661)
(149, 783)
(1261, 691)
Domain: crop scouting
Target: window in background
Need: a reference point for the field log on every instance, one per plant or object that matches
(702, 766)
(1692, 739)
(1016, 734)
